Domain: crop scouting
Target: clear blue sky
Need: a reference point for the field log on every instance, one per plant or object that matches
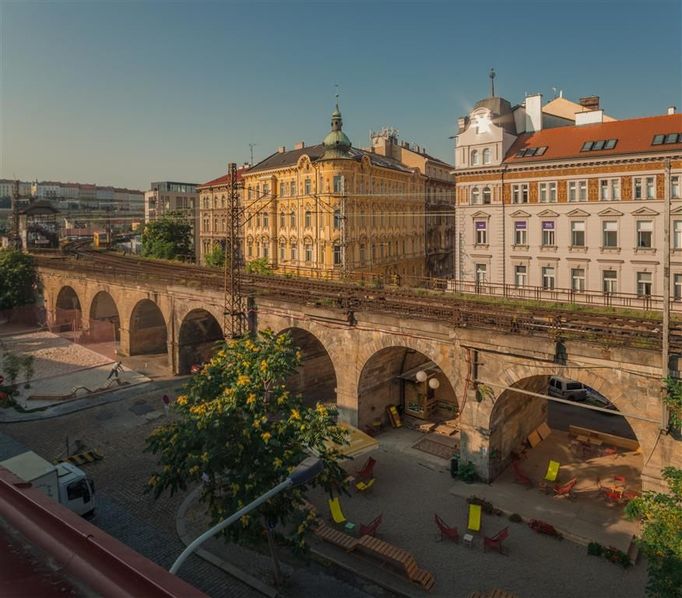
(125, 93)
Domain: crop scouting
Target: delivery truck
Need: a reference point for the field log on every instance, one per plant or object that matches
(64, 482)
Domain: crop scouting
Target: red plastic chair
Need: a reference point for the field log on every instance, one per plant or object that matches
(367, 470)
(495, 543)
(371, 528)
(565, 489)
(519, 476)
(446, 532)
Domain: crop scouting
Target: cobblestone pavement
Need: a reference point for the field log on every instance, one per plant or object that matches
(118, 430)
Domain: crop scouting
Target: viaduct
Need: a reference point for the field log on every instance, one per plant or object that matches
(361, 362)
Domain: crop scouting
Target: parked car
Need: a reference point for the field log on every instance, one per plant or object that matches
(564, 388)
(598, 400)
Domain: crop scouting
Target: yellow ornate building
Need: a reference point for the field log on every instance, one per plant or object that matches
(332, 208)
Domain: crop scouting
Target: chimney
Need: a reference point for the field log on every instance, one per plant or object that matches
(672, 109)
(299, 145)
(281, 149)
(534, 113)
(590, 102)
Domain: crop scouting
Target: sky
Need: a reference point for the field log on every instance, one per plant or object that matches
(128, 92)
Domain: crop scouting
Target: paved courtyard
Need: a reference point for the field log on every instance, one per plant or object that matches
(411, 486)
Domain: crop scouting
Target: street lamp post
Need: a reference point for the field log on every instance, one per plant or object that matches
(307, 470)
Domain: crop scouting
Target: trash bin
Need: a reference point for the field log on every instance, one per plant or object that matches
(454, 466)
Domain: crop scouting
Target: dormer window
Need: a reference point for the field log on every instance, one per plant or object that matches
(486, 156)
(474, 158)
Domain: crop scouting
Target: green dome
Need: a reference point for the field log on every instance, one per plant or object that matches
(336, 143)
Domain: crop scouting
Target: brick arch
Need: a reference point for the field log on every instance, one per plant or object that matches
(67, 309)
(147, 328)
(104, 315)
(198, 333)
(412, 352)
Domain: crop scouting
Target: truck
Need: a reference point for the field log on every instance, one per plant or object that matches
(64, 482)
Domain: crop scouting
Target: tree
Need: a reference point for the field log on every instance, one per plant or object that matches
(215, 257)
(12, 366)
(661, 538)
(168, 238)
(240, 432)
(18, 279)
(673, 400)
(258, 266)
(27, 362)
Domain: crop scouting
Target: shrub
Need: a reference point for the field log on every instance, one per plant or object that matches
(595, 549)
(467, 472)
(515, 518)
(486, 507)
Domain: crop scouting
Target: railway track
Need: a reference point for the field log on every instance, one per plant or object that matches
(611, 329)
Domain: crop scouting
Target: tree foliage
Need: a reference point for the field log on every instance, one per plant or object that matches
(259, 266)
(168, 238)
(18, 279)
(673, 400)
(215, 257)
(661, 538)
(241, 432)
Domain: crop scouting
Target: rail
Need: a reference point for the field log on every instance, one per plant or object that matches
(604, 325)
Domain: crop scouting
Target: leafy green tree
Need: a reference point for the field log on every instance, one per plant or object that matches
(240, 432)
(18, 279)
(661, 538)
(673, 400)
(259, 266)
(168, 238)
(215, 257)
(27, 363)
(11, 364)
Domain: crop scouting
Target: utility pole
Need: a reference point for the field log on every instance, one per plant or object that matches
(343, 234)
(233, 313)
(15, 239)
(665, 353)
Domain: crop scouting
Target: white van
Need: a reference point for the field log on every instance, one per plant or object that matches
(563, 388)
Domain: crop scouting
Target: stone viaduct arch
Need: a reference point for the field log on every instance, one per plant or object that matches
(197, 338)
(68, 313)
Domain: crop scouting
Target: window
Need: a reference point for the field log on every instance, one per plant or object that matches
(520, 193)
(531, 151)
(548, 236)
(650, 187)
(610, 229)
(578, 279)
(609, 189)
(282, 219)
(292, 219)
(266, 250)
(520, 276)
(249, 249)
(282, 189)
(337, 219)
(266, 220)
(266, 189)
(308, 252)
(293, 252)
(306, 186)
(481, 228)
(339, 184)
(474, 158)
(548, 277)
(609, 281)
(644, 233)
(292, 188)
(677, 234)
(644, 284)
(481, 272)
(307, 218)
(362, 253)
(671, 138)
(644, 188)
(475, 195)
(282, 251)
(486, 156)
(487, 195)
(578, 233)
(520, 232)
(548, 192)
(637, 188)
(657, 140)
(337, 254)
(675, 187)
(677, 287)
(595, 146)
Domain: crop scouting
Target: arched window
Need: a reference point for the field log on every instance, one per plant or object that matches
(487, 195)
(292, 218)
(475, 195)
(307, 218)
(282, 219)
(474, 158)
(486, 156)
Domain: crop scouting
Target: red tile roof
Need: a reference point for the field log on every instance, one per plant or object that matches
(222, 180)
(634, 136)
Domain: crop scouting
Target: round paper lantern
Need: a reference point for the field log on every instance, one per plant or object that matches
(434, 383)
(421, 376)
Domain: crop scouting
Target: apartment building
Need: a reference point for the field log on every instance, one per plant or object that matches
(332, 208)
(562, 196)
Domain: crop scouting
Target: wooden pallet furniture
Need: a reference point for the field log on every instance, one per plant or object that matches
(371, 528)
(446, 532)
(364, 485)
(396, 557)
(334, 536)
(495, 543)
(552, 471)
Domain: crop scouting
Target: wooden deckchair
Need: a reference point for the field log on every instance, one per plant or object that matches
(335, 510)
(474, 518)
(552, 471)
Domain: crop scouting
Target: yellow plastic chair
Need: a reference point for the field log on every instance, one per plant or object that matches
(335, 509)
(474, 518)
(363, 486)
(552, 471)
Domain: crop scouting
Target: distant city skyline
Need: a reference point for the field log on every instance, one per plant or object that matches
(124, 93)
